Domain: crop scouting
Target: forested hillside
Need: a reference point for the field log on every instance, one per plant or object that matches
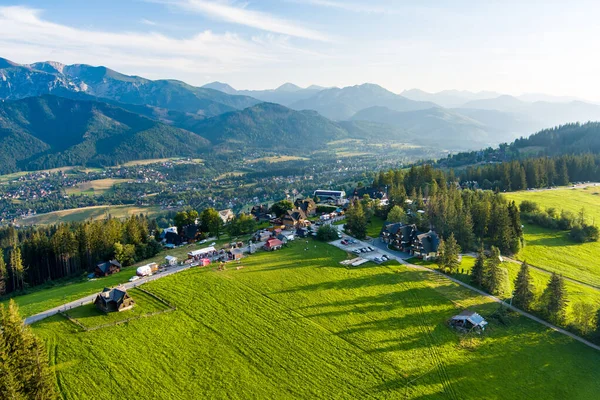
(50, 131)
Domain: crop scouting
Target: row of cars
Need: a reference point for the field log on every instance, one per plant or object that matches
(367, 249)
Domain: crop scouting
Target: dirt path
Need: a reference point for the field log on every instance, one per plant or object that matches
(392, 256)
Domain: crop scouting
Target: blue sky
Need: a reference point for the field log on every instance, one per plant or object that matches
(508, 46)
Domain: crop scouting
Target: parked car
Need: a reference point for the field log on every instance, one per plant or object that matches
(370, 248)
(356, 251)
(134, 278)
(385, 258)
(344, 242)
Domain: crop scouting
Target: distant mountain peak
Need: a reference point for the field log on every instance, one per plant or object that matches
(6, 63)
(53, 67)
(221, 87)
(288, 87)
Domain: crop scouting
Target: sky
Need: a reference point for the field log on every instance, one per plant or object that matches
(513, 47)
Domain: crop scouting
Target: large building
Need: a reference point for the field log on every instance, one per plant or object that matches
(334, 196)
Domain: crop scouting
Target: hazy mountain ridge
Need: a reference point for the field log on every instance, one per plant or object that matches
(285, 94)
(20, 81)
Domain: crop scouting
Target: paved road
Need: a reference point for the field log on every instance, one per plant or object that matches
(401, 260)
(89, 299)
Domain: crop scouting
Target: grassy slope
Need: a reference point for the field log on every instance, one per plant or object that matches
(374, 227)
(576, 292)
(295, 324)
(552, 250)
(96, 187)
(43, 297)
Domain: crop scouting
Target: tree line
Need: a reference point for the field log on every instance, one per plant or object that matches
(32, 256)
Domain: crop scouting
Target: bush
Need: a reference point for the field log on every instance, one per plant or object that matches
(584, 234)
(325, 209)
(528, 206)
(327, 233)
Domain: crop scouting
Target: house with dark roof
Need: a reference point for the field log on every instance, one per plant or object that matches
(293, 219)
(111, 300)
(426, 245)
(107, 268)
(373, 193)
(260, 212)
(399, 235)
(308, 206)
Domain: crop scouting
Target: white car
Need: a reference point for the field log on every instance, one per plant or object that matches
(134, 278)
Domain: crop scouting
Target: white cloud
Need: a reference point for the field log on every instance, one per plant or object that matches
(147, 22)
(365, 7)
(26, 37)
(225, 11)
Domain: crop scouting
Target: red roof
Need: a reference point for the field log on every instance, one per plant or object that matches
(273, 242)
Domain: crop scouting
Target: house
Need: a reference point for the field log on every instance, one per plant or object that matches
(111, 300)
(226, 215)
(467, 321)
(308, 206)
(330, 196)
(191, 233)
(107, 268)
(399, 236)
(172, 238)
(237, 254)
(261, 212)
(373, 193)
(293, 218)
(273, 244)
(171, 260)
(302, 232)
(426, 245)
(172, 229)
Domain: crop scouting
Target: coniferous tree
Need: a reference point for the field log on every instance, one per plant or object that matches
(493, 278)
(524, 295)
(3, 274)
(356, 220)
(478, 272)
(555, 299)
(16, 265)
(449, 251)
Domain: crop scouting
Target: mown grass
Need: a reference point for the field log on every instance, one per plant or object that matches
(90, 317)
(296, 324)
(553, 250)
(85, 213)
(374, 226)
(278, 159)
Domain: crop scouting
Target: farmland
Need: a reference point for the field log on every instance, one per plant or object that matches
(295, 317)
(552, 250)
(277, 159)
(85, 213)
(95, 187)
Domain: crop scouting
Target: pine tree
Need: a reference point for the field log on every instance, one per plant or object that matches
(3, 274)
(356, 220)
(16, 265)
(479, 272)
(555, 299)
(26, 360)
(449, 251)
(523, 296)
(493, 278)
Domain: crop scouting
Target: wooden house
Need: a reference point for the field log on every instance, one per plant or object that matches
(273, 244)
(107, 268)
(111, 300)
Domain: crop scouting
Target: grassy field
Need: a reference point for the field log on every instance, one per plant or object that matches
(296, 324)
(552, 250)
(96, 187)
(90, 317)
(277, 159)
(576, 292)
(85, 213)
(374, 227)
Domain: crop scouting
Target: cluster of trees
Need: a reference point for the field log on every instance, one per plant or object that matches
(35, 255)
(437, 202)
(327, 233)
(580, 230)
(533, 172)
(24, 370)
(208, 221)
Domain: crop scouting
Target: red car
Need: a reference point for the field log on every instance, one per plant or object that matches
(344, 242)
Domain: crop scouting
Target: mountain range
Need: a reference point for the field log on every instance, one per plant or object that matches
(38, 130)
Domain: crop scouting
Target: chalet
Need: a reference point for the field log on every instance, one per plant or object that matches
(426, 245)
(399, 236)
(226, 215)
(261, 212)
(273, 244)
(308, 206)
(191, 233)
(172, 238)
(293, 218)
(107, 268)
(111, 300)
(467, 321)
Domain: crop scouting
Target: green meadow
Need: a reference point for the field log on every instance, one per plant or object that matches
(552, 250)
(296, 324)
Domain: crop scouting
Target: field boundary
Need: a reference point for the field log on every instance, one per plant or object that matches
(169, 308)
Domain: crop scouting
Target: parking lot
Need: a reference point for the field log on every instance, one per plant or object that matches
(363, 249)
